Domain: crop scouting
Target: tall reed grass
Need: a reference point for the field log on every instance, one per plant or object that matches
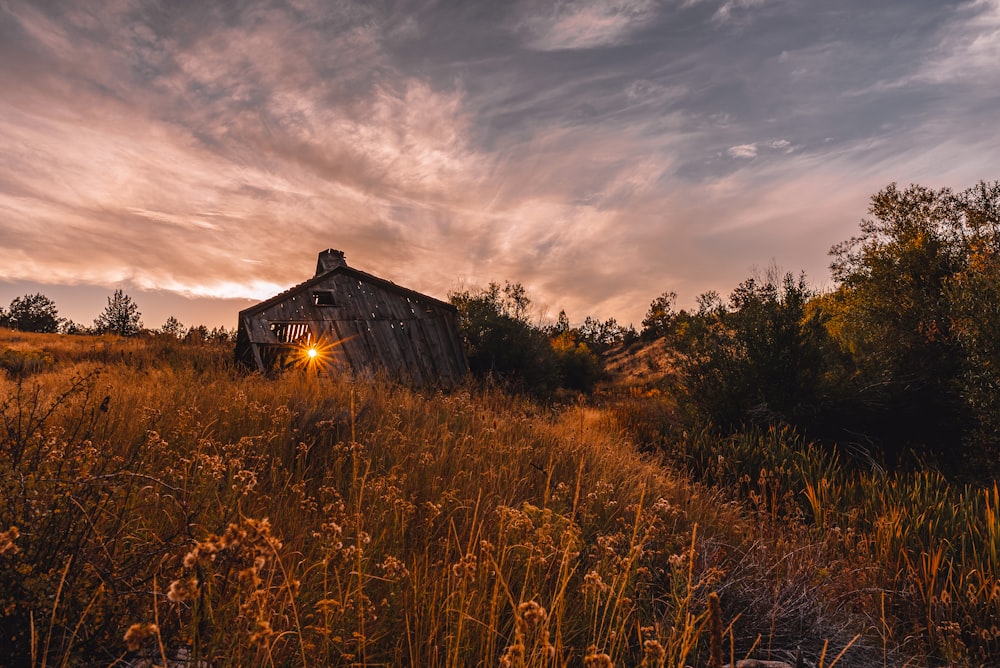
(921, 551)
(157, 504)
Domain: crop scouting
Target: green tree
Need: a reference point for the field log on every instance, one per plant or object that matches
(916, 309)
(562, 324)
(33, 313)
(759, 360)
(578, 367)
(660, 317)
(500, 341)
(710, 303)
(222, 336)
(891, 310)
(68, 326)
(172, 327)
(121, 316)
(196, 334)
(974, 294)
(599, 335)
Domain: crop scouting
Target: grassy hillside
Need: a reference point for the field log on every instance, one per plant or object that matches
(154, 502)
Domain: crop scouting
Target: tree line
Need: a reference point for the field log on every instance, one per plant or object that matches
(900, 359)
(121, 316)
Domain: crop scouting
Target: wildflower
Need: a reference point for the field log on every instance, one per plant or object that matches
(593, 581)
(233, 536)
(394, 568)
(655, 655)
(205, 551)
(432, 509)
(261, 530)
(328, 605)
(334, 534)
(250, 575)
(245, 481)
(513, 655)
(531, 613)
(595, 660)
(182, 590)
(191, 558)
(7, 539)
(137, 633)
(262, 631)
(465, 568)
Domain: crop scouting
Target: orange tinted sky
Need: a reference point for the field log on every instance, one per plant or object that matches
(199, 155)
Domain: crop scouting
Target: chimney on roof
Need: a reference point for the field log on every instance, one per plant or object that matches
(329, 260)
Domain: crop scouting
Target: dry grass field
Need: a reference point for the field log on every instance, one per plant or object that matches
(159, 507)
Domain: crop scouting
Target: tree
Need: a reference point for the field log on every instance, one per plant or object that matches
(562, 324)
(760, 359)
(68, 326)
(222, 336)
(916, 306)
(660, 316)
(579, 368)
(710, 303)
(172, 327)
(501, 343)
(120, 316)
(33, 313)
(196, 334)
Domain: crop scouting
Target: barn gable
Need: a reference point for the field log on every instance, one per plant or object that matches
(356, 323)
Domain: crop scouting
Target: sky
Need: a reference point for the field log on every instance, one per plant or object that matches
(199, 155)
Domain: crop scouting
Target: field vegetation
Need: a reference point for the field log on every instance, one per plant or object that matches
(157, 503)
(786, 475)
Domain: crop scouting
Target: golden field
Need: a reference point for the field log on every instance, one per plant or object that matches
(157, 506)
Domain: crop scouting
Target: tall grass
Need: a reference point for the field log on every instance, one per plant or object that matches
(155, 503)
(921, 552)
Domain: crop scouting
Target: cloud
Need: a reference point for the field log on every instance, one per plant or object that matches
(237, 150)
(599, 151)
(970, 49)
(730, 8)
(583, 25)
(743, 151)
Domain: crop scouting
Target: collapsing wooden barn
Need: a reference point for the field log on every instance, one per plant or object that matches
(344, 320)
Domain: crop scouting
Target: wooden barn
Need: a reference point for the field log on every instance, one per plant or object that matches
(344, 320)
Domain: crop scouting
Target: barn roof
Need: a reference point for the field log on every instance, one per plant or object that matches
(347, 271)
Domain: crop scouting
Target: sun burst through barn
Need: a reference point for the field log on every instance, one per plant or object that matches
(347, 321)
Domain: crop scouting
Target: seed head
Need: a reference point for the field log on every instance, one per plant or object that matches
(137, 633)
(7, 538)
(595, 659)
(182, 590)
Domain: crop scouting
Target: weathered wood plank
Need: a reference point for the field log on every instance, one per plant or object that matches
(374, 324)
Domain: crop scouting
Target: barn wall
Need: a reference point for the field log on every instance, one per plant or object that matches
(365, 327)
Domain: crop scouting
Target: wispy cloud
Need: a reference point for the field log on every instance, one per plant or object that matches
(743, 151)
(600, 151)
(583, 24)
